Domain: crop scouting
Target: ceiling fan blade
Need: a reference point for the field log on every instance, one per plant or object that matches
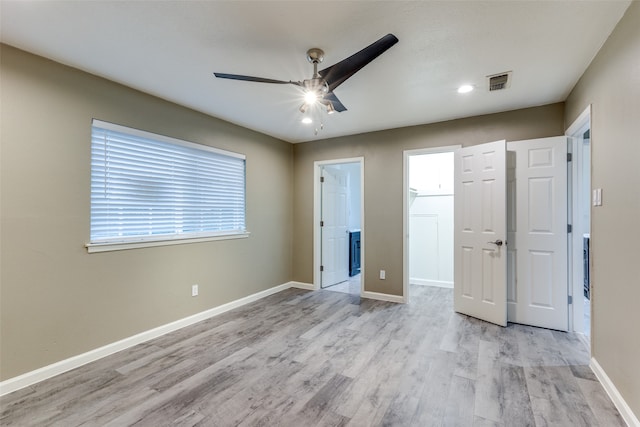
(341, 71)
(254, 79)
(333, 99)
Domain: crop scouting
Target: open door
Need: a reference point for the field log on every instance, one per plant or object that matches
(334, 229)
(480, 231)
(537, 284)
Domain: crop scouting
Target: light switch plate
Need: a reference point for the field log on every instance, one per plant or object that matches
(597, 197)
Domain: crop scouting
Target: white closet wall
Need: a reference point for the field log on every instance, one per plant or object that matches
(431, 220)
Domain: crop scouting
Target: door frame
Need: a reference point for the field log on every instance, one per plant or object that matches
(575, 288)
(576, 310)
(317, 215)
(405, 207)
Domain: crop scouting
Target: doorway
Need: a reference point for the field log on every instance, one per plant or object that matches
(510, 233)
(579, 134)
(428, 217)
(576, 273)
(339, 225)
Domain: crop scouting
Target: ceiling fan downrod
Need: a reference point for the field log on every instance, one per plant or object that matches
(315, 56)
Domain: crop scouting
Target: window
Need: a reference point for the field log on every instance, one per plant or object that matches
(149, 189)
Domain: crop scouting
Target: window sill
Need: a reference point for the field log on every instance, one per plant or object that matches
(120, 246)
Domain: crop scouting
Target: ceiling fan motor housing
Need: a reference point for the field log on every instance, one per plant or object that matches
(316, 84)
(315, 55)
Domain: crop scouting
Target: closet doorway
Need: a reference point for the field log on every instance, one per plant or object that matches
(429, 217)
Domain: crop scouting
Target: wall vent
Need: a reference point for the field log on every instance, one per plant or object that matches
(499, 81)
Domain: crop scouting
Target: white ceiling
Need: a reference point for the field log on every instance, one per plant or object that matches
(171, 49)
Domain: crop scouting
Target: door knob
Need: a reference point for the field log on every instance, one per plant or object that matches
(497, 243)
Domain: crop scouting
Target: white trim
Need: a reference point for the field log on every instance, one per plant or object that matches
(405, 208)
(301, 285)
(575, 311)
(617, 399)
(41, 374)
(426, 282)
(119, 246)
(383, 297)
(433, 150)
(317, 214)
(575, 254)
(580, 122)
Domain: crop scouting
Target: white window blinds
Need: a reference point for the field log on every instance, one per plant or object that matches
(151, 187)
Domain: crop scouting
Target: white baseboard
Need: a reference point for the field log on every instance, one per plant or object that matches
(301, 285)
(383, 297)
(425, 282)
(41, 374)
(365, 294)
(617, 399)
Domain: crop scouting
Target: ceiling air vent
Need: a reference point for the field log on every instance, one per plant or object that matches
(499, 81)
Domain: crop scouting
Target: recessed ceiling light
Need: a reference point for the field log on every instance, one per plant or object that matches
(307, 120)
(465, 89)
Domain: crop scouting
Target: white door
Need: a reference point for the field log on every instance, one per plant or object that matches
(480, 232)
(334, 217)
(537, 284)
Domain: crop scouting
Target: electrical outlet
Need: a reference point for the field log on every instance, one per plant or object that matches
(383, 275)
(194, 290)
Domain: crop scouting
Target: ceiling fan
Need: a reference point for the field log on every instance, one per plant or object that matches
(320, 87)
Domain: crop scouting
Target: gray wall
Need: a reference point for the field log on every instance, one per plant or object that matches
(57, 301)
(383, 181)
(611, 85)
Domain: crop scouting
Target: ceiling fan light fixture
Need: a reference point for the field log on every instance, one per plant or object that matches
(310, 97)
(306, 120)
(319, 88)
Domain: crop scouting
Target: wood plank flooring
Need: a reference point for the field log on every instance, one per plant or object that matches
(300, 358)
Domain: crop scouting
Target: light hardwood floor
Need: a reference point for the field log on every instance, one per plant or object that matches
(300, 358)
(350, 286)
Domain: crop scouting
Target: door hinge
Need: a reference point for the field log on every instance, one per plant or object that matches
(569, 228)
(321, 223)
(322, 179)
(570, 299)
(322, 268)
(569, 157)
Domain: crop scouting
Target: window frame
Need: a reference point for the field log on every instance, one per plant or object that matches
(140, 241)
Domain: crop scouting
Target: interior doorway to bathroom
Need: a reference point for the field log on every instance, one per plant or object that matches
(339, 226)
